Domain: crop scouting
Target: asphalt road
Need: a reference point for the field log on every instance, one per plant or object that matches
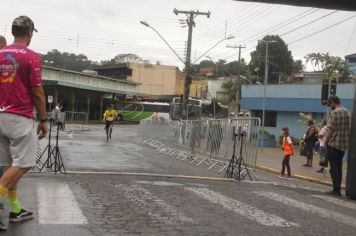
(124, 204)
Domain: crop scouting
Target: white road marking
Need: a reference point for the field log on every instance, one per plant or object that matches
(159, 183)
(284, 185)
(250, 212)
(337, 201)
(168, 183)
(57, 205)
(309, 208)
(150, 203)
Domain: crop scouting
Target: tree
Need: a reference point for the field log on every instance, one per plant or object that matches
(298, 66)
(235, 67)
(127, 58)
(65, 60)
(231, 87)
(207, 64)
(280, 58)
(329, 65)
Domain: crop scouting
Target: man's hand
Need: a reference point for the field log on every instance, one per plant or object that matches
(42, 130)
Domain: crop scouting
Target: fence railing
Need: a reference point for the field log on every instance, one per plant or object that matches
(208, 142)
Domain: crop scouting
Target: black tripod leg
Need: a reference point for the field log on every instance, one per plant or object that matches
(248, 172)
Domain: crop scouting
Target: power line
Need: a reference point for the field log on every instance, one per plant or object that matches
(309, 23)
(351, 36)
(297, 28)
(283, 24)
(322, 30)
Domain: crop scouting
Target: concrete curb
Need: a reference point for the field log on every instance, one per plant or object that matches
(301, 177)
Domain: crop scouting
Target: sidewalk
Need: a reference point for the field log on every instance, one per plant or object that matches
(270, 159)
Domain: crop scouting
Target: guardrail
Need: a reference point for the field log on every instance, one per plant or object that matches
(76, 120)
(203, 142)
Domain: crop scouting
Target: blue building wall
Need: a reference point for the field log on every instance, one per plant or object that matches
(289, 100)
(351, 65)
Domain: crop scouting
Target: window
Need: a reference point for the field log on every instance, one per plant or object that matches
(352, 60)
(270, 117)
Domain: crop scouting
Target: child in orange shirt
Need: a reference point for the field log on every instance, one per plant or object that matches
(287, 148)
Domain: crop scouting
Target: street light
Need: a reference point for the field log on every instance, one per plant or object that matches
(265, 86)
(147, 25)
(226, 38)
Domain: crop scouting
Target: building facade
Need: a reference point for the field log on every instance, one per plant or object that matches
(80, 92)
(159, 81)
(351, 64)
(285, 102)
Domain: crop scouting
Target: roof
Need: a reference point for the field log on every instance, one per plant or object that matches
(90, 75)
(348, 5)
(129, 65)
(106, 67)
(350, 56)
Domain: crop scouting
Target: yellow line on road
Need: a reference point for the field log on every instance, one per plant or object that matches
(302, 177)
(149, 174)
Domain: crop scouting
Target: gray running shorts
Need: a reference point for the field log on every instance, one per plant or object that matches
(18, 140)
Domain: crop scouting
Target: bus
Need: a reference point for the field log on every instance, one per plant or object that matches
(198, 109)
(135, 111)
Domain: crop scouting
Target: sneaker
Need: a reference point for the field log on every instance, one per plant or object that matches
(289, 177)
(4, 220)
(281, 176)
(21, 216)
(320, 171)
(334, 193)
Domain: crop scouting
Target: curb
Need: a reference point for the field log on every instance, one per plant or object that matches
(301, 177)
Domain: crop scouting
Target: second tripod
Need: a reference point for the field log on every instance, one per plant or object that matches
(237, 168)
(54, 160)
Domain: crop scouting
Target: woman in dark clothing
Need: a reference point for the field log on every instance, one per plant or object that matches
(309, 140)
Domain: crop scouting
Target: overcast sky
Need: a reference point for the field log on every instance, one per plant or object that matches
(103, 29)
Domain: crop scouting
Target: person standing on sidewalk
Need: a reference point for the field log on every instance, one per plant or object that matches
(337, 140)
(322, 148)
(287, 148)
(21, 90)
(2, 42)
(309, 141)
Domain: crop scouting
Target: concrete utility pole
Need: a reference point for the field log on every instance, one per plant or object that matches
(238, 89)
(188, 77)
(265, 86)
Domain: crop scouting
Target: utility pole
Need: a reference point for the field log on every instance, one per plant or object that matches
(265, 86)
(238, 88)
(188, 77)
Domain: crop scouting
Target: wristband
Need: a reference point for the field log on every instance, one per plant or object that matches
(44, 120)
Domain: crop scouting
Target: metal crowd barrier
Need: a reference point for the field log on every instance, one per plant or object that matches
(203, 142)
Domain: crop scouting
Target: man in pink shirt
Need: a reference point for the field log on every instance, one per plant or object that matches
(20, 91)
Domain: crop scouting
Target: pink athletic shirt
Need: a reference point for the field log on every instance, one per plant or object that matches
(20, 69)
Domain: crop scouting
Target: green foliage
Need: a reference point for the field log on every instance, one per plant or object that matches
(303, 118)
(80, 62)
(65, 60)
(298, 66)
(280, 58)
(329, 65)
(266, 133)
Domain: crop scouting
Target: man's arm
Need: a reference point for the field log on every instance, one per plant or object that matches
(38, 97)
(104, 116)
(328, 134)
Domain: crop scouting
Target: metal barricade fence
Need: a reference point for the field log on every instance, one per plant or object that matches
(208, 142)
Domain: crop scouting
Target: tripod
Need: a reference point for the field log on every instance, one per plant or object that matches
(237, 162)
(54, 159)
